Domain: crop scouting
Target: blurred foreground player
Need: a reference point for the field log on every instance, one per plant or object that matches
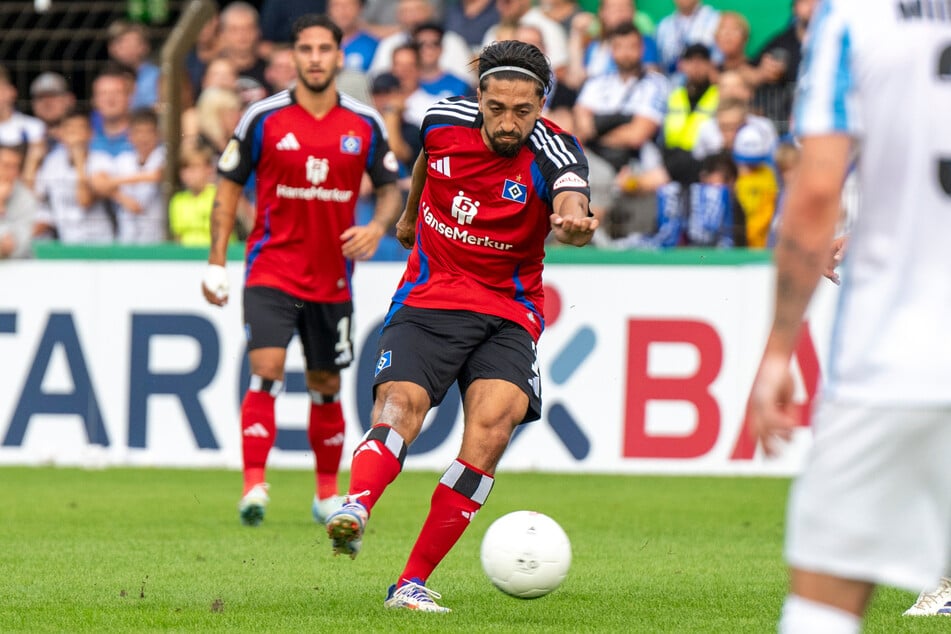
(872, 505)
(308, 149)
(493, 180)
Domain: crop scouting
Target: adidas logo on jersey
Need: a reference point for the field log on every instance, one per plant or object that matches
(257, 430)
(441, 166)
(289, 142)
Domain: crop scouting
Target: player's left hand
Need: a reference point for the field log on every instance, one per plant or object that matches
(771, 410)
(572, 229)
(361, 241)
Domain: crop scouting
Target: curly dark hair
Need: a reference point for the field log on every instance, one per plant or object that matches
(515, 53)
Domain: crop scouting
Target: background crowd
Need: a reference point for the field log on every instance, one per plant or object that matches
(686, 135)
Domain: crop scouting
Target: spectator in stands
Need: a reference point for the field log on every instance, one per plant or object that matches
(132, 183)
(406, 69)
(733, 113)
(777, 67)
(69, 209)
(471, 19)
(50, 100)
(250, 90)
(239, 38)
(220, 73)
(427, 38)
(617, 115)
(757, 187)
(189, 210)
(217, 113)
(17, 206)
(18, 129)
(404, 137)
(691, 23)
(515, 12)
(277, 17)
(112, 102)
(589, 53)
(731, 38)
(561, 11)
(560, 99)
(280, 72)
(704, 214)
(690, 105)
(786, 157)
(207, 47)
(381, 17)
(733, 85)
(410, 14)
(128, 44)
(359, 46)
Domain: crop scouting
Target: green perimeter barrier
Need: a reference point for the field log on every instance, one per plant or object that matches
(555, 254)
(766, 17)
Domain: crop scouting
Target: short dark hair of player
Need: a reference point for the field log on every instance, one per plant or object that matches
(315, 19)
(144, 114)
(520, 55)
(624, 28)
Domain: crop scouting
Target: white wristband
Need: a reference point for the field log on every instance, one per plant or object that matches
(216, 280)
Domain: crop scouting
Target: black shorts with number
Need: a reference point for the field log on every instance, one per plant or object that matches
(433, 348)
(271, 316)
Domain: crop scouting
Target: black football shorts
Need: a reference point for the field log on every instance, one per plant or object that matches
(433, 348)
(271, 317)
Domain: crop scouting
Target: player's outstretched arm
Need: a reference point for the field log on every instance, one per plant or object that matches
(361, 242)
(406, 226)
(215, 283)
(571, 223)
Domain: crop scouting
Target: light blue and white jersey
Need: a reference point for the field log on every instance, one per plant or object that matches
(880, 72)
(612, 94)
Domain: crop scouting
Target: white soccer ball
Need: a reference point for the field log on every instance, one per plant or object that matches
(526, 554)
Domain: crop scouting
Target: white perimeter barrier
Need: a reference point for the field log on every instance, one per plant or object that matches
(645, 369)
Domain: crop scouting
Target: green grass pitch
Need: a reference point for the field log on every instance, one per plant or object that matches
(141, 550)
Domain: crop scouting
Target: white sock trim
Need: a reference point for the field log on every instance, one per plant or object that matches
(804, 616)
(260, 384)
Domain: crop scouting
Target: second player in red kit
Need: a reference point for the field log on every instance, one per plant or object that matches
(307, 149)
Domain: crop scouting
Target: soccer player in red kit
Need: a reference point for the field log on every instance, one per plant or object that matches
(493, 180)
(307, 148)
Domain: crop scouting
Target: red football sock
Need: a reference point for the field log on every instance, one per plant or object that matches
(325, 430)
(460, 493)
(377, 461)
(258, 430)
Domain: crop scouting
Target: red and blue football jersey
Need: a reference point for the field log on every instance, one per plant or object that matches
(483, 218)
(307, 174)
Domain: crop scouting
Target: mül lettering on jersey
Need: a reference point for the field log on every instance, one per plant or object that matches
(939, 10)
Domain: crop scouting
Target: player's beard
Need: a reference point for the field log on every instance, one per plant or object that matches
(506, 145)
(321, 86)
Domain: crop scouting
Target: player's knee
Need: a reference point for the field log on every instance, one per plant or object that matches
(401, 407)
(324, 383)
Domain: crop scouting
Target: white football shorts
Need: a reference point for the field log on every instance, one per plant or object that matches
(873, 501)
